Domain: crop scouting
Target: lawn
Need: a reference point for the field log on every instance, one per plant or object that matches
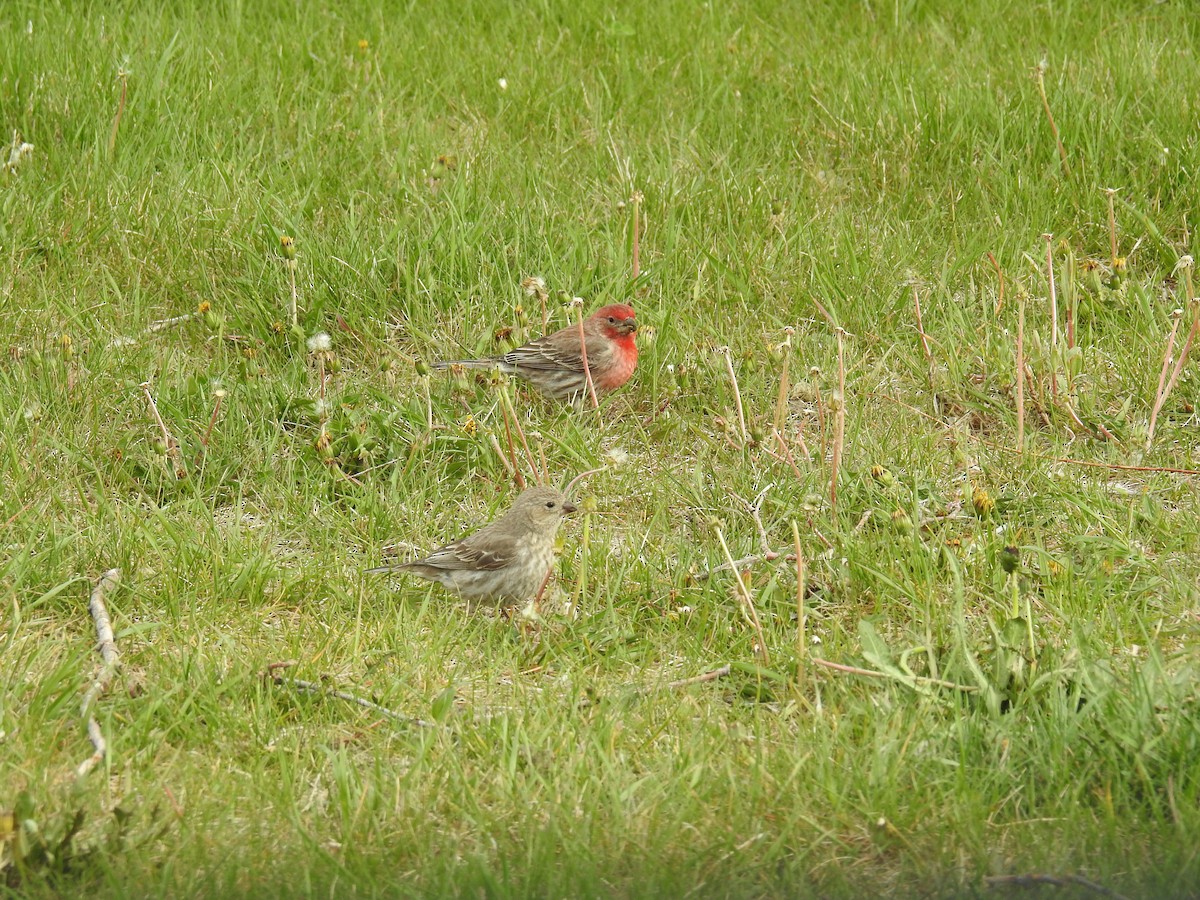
(962, 657)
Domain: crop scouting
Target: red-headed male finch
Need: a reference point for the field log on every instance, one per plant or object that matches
(506, 560)
(554, 364)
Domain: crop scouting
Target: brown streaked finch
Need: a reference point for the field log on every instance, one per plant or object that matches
(506, 560)
(553, 364)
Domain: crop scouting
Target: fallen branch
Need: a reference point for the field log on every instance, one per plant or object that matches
(313, 687)
(1030, 880)
(111, 660)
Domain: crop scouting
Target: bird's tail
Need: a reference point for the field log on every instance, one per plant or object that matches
(379, 570)
(469, 363)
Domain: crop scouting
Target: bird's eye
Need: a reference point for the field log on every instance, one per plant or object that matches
(550, 504)
(612, 321)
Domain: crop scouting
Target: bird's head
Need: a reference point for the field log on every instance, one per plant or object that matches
(617, 319)
(543, 507)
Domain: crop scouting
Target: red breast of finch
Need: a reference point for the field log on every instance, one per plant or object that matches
(554, 364)
(506, 560)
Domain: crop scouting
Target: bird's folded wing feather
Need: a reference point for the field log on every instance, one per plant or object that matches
(464, 555)
(554, 355)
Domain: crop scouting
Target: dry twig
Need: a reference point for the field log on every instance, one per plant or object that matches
(111, 660)
(313, 687)
(701, 679)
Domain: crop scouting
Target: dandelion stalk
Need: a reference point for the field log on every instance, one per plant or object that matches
(506, 402)
(320, 345)
(535, 286)
(518, 478)
(287, 246)
(737, 394)
(171, 445)
(744, 595)
(587, 371)
(801, 624)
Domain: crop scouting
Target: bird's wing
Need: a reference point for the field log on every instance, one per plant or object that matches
(554, 352)
(466, 554)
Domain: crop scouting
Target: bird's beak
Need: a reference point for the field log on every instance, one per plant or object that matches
(628, 326)
(568, 507)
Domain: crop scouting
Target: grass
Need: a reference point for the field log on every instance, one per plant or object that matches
(796, 163)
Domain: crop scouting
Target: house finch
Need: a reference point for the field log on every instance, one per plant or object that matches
(554, 364)
(506, 560)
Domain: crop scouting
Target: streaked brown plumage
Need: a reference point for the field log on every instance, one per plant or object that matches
(506, 560)
(554, 364)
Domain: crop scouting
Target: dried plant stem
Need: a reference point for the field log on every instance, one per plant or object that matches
(1020, 375)
(518, 478)
(152, 328)
(786, 457)
(770, 556)
(508, 404)
(111, 660)
(785, 386)
(737, 394)
(212, 419)
(514, 473)
(701, 679)
(587, 371)
(312, 687)
(169, 439)
(747, 600)
(839, 425)
(1165, 390)
(1040, 77)
(916, 679)
(1162, 379)
(801, 621)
